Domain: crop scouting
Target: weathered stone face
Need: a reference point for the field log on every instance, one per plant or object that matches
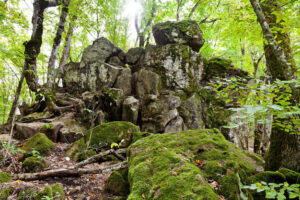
(185, 32)
(158, 111)
(178, 66)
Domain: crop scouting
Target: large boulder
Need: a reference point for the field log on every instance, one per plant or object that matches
(101, 64)
(185, 32)
(181, 165)
(130, 110)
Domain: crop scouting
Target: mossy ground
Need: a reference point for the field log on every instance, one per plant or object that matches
(40, 143)
(163, 166)
(54, 192)
(5, 177)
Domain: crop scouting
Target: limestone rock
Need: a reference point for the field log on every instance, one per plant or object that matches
(146, 82)
(102, 50)
(157, 112)
(175, 125)
(59, 129)
(134, 55)
(177, 165)
(124, 81)
(179, 67)
(185, 32)
(191, 110)
(130, 110)
(98, 70)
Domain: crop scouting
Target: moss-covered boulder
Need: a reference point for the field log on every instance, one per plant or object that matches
(178, 165)
(292, 177)
(34, 164)
(222, 68)
(55, 191)
(40, 143)
(102, 136)
(117, 183)
(268, 177)
(5, 177)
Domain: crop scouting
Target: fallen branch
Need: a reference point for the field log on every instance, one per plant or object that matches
(68, 172)
(96, 157)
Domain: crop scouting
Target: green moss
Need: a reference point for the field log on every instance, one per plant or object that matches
(80, 156)
(5, 193)
(55, 191)
(34, 164)
(117, 183)
(268, 176)
(39, 142)
(139, 135)
(292, 177)
(58, 191)
(46, 192)
(5, 177)
(27, 193)
(104, 135)
(220, 67)
(163, 166)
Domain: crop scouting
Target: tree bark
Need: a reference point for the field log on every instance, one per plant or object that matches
(284, 147)
(67, 46)
(33, 46)
(56, 43)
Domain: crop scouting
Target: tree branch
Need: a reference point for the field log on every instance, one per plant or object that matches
(68, 172)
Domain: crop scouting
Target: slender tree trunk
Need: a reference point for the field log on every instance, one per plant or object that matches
(15, 102)
(56, 43)
(67, 46)
(194, 8)
(284, 147)
(178, 8)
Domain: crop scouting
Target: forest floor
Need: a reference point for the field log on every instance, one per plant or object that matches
(85, 187)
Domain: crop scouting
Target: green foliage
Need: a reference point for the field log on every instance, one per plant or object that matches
(258, 100)
(276, 190)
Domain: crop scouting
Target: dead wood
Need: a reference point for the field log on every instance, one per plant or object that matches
(68, 172)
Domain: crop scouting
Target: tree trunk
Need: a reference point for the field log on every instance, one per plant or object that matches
(284, 147)
(15, 102)
(67, 46)
(33, 46)
(56, 43)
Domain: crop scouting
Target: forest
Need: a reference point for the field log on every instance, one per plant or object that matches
(149, 99)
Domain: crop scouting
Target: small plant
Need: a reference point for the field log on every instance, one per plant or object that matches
(276, 191)
(36, 154)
